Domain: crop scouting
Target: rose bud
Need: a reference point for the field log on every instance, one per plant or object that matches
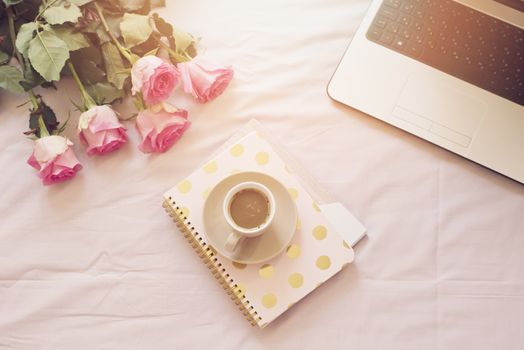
(161, 127)
(155, 78)
(100, 130)
(204, 80)
(54, 159)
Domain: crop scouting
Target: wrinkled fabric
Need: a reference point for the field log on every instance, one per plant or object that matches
(97, 264)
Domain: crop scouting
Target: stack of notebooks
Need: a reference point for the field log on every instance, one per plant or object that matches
(321, 246)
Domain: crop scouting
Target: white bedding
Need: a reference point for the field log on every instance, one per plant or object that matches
(95, 263)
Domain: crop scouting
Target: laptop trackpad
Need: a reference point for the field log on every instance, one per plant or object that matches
(434, 102)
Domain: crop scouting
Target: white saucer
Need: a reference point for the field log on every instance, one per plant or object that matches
(258, 249)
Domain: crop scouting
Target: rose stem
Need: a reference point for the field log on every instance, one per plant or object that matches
(12, 34)
(174, 54)
(43, 128)
(88, 100)
(123, 51)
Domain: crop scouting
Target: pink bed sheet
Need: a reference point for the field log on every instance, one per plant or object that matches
(96, 264)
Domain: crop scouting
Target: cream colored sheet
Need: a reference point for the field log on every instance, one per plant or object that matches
(96, 264)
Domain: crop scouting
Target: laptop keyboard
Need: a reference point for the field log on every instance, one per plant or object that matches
(457, 40)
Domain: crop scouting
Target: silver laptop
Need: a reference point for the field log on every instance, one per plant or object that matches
(450, 72)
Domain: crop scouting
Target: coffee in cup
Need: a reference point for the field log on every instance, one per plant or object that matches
(249, 208)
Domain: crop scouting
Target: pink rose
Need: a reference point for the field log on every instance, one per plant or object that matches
(161, 127)
(204, 80)
(100, 130)
(155, 78)
(54, 158)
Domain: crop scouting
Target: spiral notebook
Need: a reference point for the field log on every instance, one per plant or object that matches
(321, 245)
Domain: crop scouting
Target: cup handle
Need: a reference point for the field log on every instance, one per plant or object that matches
(233, 241)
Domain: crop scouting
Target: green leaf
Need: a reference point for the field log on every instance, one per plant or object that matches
(12, 2)
(102, 35)
(24, 36)
(73, 39)
(31, 77)
(110, 7)
(4, 58)
(104, 92)
(48, 116)
(113, 22)
(61, 13)
(90, 53)
(5, 41)
(33, 123)
(135, 29)
(117, 72)
(48, 54)
(88, 71)
(158, 3)
(183, 40)
(9, 79)
(136, 6)
(132, 5)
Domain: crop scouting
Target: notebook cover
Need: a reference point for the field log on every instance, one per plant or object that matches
(262, 291)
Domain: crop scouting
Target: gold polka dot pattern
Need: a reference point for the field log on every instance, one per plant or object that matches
(184, 186)
(269, 300)
(266, 271)
(319, 232)
(211, 167)
(293, 251)
(323, 262)
(295, 280)
(237, 150)
(262, 158)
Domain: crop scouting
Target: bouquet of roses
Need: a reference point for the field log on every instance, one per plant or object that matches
(113, 49)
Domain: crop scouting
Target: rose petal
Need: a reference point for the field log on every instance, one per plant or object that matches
(160, 130)
(103, 121)
(53, 162)
(204, 80)
(142, 70)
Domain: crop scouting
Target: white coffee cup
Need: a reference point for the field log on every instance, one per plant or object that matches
(239, 233)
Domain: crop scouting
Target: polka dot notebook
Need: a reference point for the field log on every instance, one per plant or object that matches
(261, 291)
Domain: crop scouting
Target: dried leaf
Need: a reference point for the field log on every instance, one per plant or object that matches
(48, 116)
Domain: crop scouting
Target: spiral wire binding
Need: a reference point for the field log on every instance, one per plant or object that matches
(208, 256)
